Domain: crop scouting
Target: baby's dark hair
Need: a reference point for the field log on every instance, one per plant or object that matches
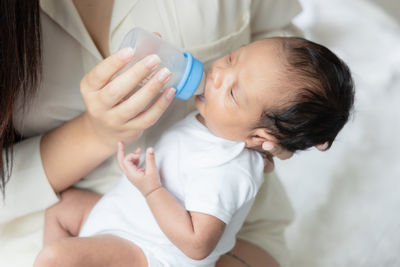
(323, 100)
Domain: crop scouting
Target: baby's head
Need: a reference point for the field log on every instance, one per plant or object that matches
(288, 90)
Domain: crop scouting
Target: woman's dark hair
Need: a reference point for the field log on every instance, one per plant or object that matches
(323, 100)
(20, 69)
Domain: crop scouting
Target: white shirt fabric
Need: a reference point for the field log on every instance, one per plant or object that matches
(206, 29)
(206, 174)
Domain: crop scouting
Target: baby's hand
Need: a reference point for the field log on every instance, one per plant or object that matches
(146, 180)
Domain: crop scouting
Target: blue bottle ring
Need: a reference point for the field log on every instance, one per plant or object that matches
(190, 79)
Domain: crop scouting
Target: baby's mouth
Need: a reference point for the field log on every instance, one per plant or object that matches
(202, 97)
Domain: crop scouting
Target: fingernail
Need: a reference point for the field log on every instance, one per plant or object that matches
(323, 146)
(268, 146)
(152, 61)
(150, 150)
(125, 53)
(170, 94)
(164, 75)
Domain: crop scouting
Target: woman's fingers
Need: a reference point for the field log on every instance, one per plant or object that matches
(277, 150)
(137, 102)
(113, 111)
(127, 81)
(102, 73)
(322, 147)
(151, 115)
(269, 163)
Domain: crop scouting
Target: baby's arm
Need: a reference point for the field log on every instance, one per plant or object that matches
(195, 234)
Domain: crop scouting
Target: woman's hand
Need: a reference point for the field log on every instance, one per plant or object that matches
(113, 113)
(146, 180)
(272, 149)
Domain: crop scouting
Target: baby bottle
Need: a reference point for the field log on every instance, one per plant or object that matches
(187, 71)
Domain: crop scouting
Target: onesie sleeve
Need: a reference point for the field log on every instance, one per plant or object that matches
(274, 18)
(219, 192)
(28, 189)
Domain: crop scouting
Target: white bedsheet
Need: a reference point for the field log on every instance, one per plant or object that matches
(347, 200)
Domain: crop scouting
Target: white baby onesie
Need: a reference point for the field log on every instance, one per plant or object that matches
(206, 173)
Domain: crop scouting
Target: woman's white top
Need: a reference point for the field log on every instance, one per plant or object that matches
(208, 29)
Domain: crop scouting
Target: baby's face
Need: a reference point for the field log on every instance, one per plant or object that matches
(239, 87)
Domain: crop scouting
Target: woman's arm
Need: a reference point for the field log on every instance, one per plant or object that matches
(71, 151)
(27, 182)
(195, 234)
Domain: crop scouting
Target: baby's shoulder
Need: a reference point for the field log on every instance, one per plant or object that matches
(250, 164)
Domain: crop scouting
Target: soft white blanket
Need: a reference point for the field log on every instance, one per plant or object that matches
(347, 200)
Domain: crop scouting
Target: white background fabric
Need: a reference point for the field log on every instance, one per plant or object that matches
(347, 200)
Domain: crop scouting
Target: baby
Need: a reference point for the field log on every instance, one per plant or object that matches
(185, 206)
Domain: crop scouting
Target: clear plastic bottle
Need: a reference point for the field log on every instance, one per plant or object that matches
(187, 71)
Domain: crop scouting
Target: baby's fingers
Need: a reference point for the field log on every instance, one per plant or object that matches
(130, 159)
(150, 161)
(121, 155)
(133, 158)
(131, 162)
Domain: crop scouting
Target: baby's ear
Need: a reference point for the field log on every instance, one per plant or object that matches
(258, 137)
